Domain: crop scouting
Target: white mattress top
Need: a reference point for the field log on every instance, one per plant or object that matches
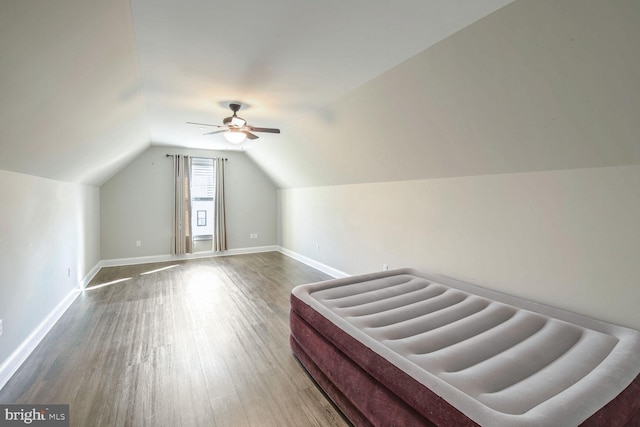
(500, 360)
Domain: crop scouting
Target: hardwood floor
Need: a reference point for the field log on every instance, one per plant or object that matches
(192, 343)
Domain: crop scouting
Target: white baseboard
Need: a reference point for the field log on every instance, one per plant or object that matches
(313, 263)
(169, 257)
(209, 254)
(15, 360)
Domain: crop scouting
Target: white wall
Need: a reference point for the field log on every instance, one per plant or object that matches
(50, 241)
(567, 238)
(137, 204)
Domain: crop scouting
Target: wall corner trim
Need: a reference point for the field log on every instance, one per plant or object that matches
(17, 358)
(90, 275)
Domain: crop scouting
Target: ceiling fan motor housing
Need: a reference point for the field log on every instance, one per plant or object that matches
(234, 120)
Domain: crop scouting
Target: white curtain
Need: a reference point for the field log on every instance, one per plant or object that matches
(182, 242)
(220, 222)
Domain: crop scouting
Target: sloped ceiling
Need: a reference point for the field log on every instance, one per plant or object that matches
(283, 59)
(537, 85)
(86, 86)
(71, 104)
(363, 91)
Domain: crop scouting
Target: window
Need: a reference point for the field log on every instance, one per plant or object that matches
(202, 191)
(202, 218)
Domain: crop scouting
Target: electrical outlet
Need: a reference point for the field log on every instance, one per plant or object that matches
(385, 267)
(138, 243)
(318, 247)
(0, 326)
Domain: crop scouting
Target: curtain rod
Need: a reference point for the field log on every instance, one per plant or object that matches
(223, 158)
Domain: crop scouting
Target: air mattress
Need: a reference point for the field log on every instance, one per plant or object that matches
(408, 348)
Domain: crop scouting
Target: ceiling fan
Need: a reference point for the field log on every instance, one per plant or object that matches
(236, 128)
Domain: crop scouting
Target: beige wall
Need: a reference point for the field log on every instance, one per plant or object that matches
(137, 205)
(568, 238)
(50, 241)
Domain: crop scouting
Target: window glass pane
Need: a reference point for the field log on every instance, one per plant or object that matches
(202, 192)
(201, 178)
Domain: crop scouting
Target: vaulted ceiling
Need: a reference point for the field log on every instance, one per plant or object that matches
(362, 91)
(86, 86)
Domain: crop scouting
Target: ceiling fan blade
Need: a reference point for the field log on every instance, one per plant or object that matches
(250, 135)
(214, 132)
(268, 130)
(203, 124)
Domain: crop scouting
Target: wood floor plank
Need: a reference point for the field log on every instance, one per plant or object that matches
(196, 343)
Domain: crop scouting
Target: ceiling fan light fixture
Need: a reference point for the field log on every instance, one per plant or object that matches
(235, 136)
(238, 121)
